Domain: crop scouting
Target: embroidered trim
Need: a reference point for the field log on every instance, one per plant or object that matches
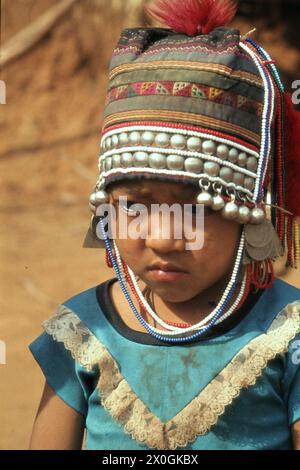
(203, 411)
(218, 68)
(187, 89)
(177, 116)
(66, 327)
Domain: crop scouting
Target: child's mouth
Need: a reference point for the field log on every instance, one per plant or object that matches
(165, 272)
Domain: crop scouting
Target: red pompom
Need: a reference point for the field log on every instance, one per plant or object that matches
(292, 155)
(193, 17)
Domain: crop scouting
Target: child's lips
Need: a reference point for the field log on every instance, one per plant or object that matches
(166, 272)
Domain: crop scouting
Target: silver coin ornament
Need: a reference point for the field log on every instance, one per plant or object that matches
(259, 235)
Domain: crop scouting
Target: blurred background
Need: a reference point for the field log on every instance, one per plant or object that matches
(54, 61)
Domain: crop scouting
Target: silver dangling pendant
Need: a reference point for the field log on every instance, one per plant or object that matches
(204, 197)
(262, 242)
(231, 210)
(97, 198)
(258, 216)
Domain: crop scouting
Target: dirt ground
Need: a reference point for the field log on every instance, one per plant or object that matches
(49, 140)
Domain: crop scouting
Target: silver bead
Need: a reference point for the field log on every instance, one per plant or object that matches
(226, 174)
(157, 160)
(134, 138)
(252, 164)
(127, 159)
(244, 215)
(148, 138)
(209, 147)
(211, 168)
(115, 141)
(222, 151)
(93, 208)
(205, 198)
(175, 162)
(123, 138)
(108, 163)
(230, 211)
(93, 199)
(238, 178)
(108, 143)
(116, 161)
(257, 216)
(242, 159)
(193, 165)
(194, 144)
(141, 159)
(249, 183)
(218, 203)
(233, 155)
(162, 140)
(178, 141)
(101, 197)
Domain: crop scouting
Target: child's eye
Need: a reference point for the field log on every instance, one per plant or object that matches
(124, 205)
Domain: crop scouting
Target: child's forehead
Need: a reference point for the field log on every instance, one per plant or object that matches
(150, 188)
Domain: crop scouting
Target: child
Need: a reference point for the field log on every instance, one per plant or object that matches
(190, 349)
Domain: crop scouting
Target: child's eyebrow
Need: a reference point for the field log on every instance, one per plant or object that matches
(144, 193)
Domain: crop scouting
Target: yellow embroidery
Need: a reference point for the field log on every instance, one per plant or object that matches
(118, 398)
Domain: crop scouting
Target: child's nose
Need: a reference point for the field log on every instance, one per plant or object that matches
(165, 234)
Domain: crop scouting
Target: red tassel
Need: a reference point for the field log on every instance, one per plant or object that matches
(193, 17)
(292, 155)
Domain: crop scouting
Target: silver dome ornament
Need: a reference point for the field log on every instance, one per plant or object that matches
(135, 138)
(222, 151)
(233, 155)
(141, 159)
(194, 144)
(101, 197)
(108, 143)
(218, 203)
(249, 183)
(115, 141)
(157, 161)
(116, 161)
(93, 208)
(230, 211)
(147, 138)
(242, 159)
(252, 164)
(175, 162)
(127, 160)
(238, 179)
(123, 138)
(193, 165)
(211, 168)
(258, 216)
(209, 147)
(226, 174)
(93, 199)
(108, 163)
(205, 198)
(162, 140)
(178, 141)
(244, 215)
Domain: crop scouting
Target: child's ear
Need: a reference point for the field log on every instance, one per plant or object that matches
(91, 240)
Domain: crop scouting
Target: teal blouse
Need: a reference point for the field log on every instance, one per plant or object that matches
(236, 389)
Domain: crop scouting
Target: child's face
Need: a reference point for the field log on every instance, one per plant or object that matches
(203, 267)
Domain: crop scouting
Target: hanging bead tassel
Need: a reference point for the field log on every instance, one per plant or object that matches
(262, 274)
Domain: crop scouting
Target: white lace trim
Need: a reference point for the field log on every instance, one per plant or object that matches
(118, 398)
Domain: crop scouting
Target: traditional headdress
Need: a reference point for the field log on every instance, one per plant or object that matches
(200, 104)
